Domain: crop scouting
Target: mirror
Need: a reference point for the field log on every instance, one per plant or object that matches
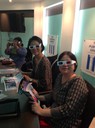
(15, 23)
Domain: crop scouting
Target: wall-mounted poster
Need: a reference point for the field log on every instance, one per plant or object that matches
(52, 45)
(88, 57)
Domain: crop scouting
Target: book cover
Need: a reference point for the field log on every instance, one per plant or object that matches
(10, 83)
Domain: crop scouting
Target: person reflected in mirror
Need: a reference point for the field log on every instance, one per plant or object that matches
(41, 76)
(16, 51)
(68, 98)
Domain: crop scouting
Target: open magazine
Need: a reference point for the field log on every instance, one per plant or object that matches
(26, 88)
(19, 83)
(10, 83)
(28, 91)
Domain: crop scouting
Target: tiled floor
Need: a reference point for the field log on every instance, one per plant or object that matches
(92, 125)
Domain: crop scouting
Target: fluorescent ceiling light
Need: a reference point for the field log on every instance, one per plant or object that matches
(55, 4)
(10, 0)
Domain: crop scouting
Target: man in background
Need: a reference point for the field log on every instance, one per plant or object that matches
(16, 51)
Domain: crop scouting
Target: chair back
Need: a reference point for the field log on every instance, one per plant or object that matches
(55, 69)
(89, 111)
(52, 58)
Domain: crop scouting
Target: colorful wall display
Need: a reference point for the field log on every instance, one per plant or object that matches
(88, 57)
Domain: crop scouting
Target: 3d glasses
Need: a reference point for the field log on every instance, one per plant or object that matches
(34, 46)
(61, 63)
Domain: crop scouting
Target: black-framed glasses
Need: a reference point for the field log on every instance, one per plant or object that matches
(34, 46)
(61, 63)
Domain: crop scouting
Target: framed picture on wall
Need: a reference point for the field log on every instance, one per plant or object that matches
(52, 45)
(88, 57)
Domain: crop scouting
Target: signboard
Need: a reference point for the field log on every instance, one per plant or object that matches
(88, 57)
(52, 45)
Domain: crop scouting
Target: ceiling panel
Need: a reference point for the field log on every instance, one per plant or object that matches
(19, 1)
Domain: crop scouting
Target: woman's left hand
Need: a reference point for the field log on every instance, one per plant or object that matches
(36, 108)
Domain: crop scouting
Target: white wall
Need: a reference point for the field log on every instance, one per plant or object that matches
(68, 18)
(67, 24)
(38, 16)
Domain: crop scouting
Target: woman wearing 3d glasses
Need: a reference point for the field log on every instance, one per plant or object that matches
(41, 77)
(68, 97)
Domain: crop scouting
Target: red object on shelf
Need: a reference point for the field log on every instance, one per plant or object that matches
(6, 62)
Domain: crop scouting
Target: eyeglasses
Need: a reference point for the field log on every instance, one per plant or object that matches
(61, 63)
(34, 46)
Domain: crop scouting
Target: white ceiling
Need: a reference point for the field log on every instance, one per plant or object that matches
(19, 1)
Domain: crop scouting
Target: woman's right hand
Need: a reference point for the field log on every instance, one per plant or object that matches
(27, 77)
